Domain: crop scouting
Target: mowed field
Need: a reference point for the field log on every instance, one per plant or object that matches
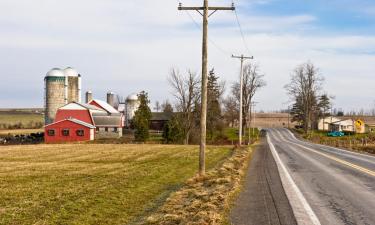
(93, 184)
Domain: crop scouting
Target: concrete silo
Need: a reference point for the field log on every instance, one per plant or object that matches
(61, 88)
(131, 105)
(111, 99)
(55, 93)
(73, 81)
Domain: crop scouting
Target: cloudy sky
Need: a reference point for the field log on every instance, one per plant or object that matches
(127, 46)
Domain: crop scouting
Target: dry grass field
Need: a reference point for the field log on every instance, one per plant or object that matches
(93, 184)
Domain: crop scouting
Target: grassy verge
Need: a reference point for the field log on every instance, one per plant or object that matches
(93, 184)
(205, 200)
(354, 142)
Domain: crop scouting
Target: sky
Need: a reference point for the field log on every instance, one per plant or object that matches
(130, 46)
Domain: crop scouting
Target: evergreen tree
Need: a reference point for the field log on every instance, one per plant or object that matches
(172, 131)
(142, 118)
(324, 104)
(214, 115)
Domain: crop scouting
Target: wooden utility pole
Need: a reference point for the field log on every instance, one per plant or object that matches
(252, 109)
(206, 14)
(242, 58)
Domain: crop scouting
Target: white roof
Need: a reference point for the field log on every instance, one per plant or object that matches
(70, 72)
(55, 72)
(81, 106)
(107, 107)
(80, 122)
(132, 97)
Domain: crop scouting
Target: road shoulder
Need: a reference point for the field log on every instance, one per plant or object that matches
(263, 199)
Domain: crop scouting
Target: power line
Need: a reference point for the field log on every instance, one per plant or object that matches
(218, 47)
(241, 30)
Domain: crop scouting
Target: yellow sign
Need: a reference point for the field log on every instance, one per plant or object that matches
(358, 125)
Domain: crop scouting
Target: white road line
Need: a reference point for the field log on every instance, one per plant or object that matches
(301, 208)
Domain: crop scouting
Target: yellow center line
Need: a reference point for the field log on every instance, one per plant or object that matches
(362, 169)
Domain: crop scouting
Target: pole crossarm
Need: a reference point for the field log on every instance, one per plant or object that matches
(210, 8)
(242, 57)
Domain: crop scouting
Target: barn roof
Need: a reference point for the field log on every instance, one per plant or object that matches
(104, 105)
(161, 116)
(73, 121)
(108, 121)
(80, 106)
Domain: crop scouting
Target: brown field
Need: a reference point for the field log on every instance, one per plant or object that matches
(269, 120)
(93, 184)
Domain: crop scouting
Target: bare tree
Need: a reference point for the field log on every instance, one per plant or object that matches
(252, 82)
(167, 107)
(230, 110)
(186, 92)
(157, 106)
(304, 86)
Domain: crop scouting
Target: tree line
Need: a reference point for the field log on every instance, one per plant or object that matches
(184, 111)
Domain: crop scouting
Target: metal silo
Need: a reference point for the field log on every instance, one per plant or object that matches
(131, 105)
(73, 81)
(55, 88)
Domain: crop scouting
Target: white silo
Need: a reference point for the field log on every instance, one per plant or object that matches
(73, 85)
(131, 105)
(55, 93)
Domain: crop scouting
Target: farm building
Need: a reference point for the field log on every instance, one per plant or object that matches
(106, 121)
(159, 119)
(324, 123)
(348, 125)
(69, 130)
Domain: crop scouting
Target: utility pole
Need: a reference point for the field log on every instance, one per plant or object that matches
(242, 58)
(203, 125)
(252, 105)
(289, 117)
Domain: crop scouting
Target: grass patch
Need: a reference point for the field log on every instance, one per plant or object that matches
(93, 184)
(205, 200)
(356, 142)
(232, 134)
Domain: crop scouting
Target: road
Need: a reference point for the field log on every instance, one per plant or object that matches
(338, 185)
(262, 201)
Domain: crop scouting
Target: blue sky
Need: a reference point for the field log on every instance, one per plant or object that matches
(129, 46)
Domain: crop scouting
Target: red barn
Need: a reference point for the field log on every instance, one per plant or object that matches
(78, 111)
(69, 130)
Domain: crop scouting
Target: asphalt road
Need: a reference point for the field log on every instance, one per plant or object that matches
(263, 200)
(338, 185)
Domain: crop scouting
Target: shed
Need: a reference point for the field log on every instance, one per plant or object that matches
(69, 130)
(159, 119)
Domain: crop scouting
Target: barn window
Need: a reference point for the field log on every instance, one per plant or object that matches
(51, 133)
(106, 129)
(65, 132)
(80, 133)
(115, 129)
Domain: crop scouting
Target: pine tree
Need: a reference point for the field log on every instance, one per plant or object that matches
(142, 118)
(214, 115)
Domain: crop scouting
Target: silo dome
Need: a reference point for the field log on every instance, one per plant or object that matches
(55, 72)
(132, 97)
(70, 72)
